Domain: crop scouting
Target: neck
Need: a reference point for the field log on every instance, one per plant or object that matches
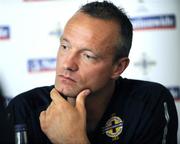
(96, 105)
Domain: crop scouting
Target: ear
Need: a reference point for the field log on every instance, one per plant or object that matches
(119, 67)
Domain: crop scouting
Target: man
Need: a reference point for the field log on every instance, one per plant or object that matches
(90, 102)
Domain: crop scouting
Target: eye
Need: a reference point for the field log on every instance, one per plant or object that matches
(64, 47)
(89, 56)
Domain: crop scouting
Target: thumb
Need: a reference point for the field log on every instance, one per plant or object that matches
(80, 100)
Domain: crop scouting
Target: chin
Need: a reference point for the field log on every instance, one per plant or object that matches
(68, 91)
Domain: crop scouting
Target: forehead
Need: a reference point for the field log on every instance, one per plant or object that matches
(85, 29)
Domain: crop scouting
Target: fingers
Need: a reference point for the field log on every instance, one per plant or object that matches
(80, 101)
(45, 116)
(59, 104)
(56, 97)
(42, 119)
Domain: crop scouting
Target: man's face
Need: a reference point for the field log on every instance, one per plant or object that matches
(85, 56)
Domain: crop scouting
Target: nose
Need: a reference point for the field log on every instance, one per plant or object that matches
(70, 63)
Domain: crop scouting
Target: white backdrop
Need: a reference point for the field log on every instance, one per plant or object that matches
(29, 39)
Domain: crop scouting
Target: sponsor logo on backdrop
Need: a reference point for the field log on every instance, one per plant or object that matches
(4, 32)
(167, 21)
(57, 31)
(175, 91)
(145, 63)
(41, 65)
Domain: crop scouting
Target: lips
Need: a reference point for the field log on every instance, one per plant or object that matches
(67, 78)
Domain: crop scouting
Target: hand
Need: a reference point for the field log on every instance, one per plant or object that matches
(63, 123)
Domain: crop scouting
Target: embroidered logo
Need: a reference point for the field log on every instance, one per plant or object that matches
(113, 127)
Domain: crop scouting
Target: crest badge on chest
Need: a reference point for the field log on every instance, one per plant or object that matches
(113, 127)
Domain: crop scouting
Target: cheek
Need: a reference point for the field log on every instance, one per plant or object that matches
(59, 62)
(96, 77)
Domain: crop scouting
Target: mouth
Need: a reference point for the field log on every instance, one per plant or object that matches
(66, 78)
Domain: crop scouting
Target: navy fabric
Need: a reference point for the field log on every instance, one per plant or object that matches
(139, 112)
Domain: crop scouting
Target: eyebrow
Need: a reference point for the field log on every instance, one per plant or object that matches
(64, 39)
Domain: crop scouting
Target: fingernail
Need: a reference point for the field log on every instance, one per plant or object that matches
(87, 92)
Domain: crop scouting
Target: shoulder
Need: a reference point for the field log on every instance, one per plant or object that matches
(146, 95)
(151, 107)
(144, 90)
(33, 97)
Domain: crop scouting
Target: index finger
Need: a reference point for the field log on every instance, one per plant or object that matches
(56, 97)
